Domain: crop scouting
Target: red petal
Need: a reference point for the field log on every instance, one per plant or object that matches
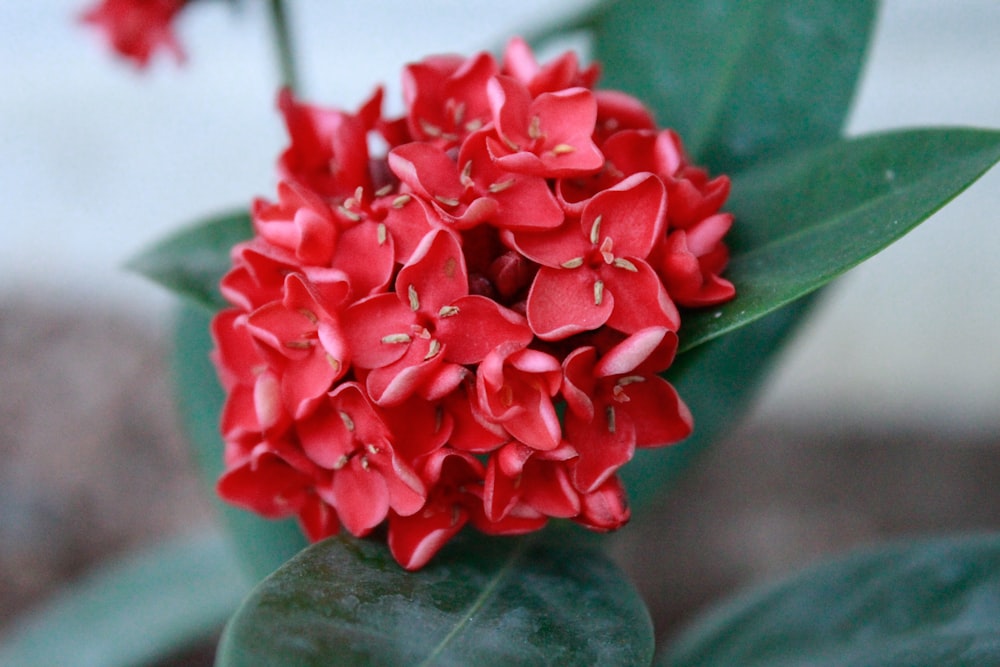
(367, 261)
(632, 214)
(579, 384)
(563, 302)
(604, 444)
(317, 519)
(479, 326)
(427, 170)
(605, 508)
(268, 486)
(640, 299)
(413, 540)
(362, 499)
(546, 487)
(394, 383)
(368, 322)
(631, 353)
(435, 277)
(567, 119)
(657, 412)
(510, 103)
(554, 247)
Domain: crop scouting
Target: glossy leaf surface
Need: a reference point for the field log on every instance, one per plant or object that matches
(480, 602)
(924, 604)
(740, 81)
(807, 218)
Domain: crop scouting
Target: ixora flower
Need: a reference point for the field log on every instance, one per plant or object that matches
(136, 29)
(471, 327)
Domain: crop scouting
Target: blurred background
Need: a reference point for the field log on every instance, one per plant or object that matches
(882, 418)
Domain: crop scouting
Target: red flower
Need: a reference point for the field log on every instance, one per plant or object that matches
(347, 436)
(619, 402)
(547, 136)
(515, 389)
(329, 148)
(594, 269)
(471, 327)
(136, 29)
(446, 98)
(428, 326)
(476, 189)
(454, 477)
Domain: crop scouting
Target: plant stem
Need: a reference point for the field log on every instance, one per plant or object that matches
(283, 44)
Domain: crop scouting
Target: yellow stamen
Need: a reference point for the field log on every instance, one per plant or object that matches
(595, 230)
(348, 422)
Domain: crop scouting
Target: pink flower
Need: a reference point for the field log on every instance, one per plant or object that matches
(521, 481)
(563, 72)
(691, 260)
(136, 29)
(454, 477)
(303, 342)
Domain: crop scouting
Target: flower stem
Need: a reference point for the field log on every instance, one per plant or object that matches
(283, 44)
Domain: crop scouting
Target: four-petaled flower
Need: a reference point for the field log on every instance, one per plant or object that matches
(594, 269)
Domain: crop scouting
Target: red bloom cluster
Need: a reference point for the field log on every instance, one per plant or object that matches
(136, 29)
(471, 327)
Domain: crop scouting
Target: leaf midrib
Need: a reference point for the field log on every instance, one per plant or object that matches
(479, 603)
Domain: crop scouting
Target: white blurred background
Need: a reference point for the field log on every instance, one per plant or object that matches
(99, 161)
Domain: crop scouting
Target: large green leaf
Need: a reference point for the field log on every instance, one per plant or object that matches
(741, 81)
(192, 261)
(133, 611)
(262, 545)
(487, 601)
(804, 219)
(923, 604)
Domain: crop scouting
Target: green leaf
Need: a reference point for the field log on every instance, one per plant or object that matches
(262, 545)
(805, 219)
(923, 604)
(717, 381)
(192, 262)
(482, 601)
(133, 611)
(740, 81)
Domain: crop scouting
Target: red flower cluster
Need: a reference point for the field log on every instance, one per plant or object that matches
(136, 29)
(471, 327)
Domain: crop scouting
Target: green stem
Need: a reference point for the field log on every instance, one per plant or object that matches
(283, 44)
